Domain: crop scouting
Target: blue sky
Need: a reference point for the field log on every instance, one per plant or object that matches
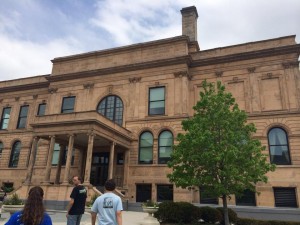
(32, 32)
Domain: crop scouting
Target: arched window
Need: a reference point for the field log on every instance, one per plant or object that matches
(15, 153)
(278, 146)
(165, 142)
(1, 149)
(112, 108)
(146, 148)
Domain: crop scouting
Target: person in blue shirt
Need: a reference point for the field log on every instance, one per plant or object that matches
(33, 212)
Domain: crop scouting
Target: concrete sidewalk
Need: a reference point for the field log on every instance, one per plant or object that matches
(59, 218)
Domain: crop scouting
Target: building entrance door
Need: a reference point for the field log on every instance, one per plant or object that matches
(99, 171)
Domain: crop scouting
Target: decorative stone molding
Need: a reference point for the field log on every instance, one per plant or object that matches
(44, 101)
(7, 105)
(251, 69)
(25, 103)
(156, 83)
(134, 79)
(288, 65)
(70, 94)
(110, 89)
(17, 98)
(180, 74)
(88, 85)
(1, 100)
(235, 80)
(268, 76)
(219, 73)
(52, 90)
(34, 96)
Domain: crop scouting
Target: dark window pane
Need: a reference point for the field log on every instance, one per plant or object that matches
(278, 147)
(247, 198)
(112, 108)
(23, 116)
(1, 148)
(68, 104)
(143, 192)
(15, 153)
(165, 143)
(285, 197)
(157, 101)
(5, 118)
(206, 198)
(42, 109)
(164, 193)
(146, 148)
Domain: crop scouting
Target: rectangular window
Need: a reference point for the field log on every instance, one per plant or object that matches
(206, 198)
(42, 109)
(285, 197)
(120, 158)
(156, 101)
(164, 192)
(55, 157)
(246, 199)
(5, 118)
(68, 104)
(143, 192)
(23, 116)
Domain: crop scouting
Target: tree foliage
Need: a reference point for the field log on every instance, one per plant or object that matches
(217, 150)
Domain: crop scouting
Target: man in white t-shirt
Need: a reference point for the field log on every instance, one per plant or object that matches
(108, 207)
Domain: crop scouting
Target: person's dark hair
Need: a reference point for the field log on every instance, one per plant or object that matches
(110, 185)
(79, 178)
(34, 210)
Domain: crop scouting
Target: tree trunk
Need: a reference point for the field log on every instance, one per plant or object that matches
(225, 209)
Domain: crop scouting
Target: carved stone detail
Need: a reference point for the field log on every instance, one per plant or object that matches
(180, 74)
(88, 85)
(110, 89)
(1, 100)
(17, 98)
(34, 96)
(219, 73)
(52, 90)
(156, 83)
(134, 79)
(251, 69)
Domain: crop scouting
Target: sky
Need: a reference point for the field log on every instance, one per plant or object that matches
(32, 32)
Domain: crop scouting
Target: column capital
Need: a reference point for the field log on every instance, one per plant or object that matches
(91, 133)
(51, 136)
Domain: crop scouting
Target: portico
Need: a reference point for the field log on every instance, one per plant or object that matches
(102, 145)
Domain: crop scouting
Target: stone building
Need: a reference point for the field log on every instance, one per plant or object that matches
(114, 114)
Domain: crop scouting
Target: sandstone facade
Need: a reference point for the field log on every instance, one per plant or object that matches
(263, 76)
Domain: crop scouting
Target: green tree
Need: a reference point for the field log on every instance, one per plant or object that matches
(217, 150)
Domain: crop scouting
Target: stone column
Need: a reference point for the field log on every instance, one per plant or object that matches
(49, 161)
(80, 162)
(111, 160)
(31, 160)
(60, 157)
(88, 162)
(126, 168)
(69, 159)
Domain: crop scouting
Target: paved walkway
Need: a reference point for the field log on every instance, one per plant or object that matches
(59, 218)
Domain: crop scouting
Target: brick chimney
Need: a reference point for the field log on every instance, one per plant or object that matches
(189, 22)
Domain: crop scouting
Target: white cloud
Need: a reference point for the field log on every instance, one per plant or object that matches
(34, 32)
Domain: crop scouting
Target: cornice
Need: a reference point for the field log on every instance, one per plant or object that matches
(24, 87)
(247, 55)
(132, 67)
(121, 49)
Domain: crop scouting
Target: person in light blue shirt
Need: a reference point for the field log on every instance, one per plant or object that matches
(108, 207)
